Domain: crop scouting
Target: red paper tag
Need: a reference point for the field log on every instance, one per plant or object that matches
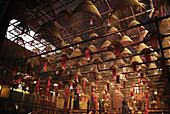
(87, 55)
(134, 68)
(84, 84)
(64, 61)
(154, 41)
(117, 49)
(45, 66)
(117, 79)
(147, 57)
(113, 72)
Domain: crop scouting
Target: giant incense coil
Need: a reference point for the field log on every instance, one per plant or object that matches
(126, 40)
(50, 32)
(119, 4)
(136, 59)
(142, 47)
(109, 55)
(166, 42)
(164, 26)
(154, 71)
(84, 11)
(106, 44)
(76, 40)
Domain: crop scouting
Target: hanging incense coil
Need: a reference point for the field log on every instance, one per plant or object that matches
(166, 42)
(164, 26)
(142, 47)
(133, 23)
(109, 55)
(120, 4)
(84, 11)
(93, 35)
(126, 52)
(76, 40)
(92, 48)
(51, 59)
(106, 44)
(76, 53)
(113, 30)
(126, 40)
(143, 34)
(136, 59)
(50, 32)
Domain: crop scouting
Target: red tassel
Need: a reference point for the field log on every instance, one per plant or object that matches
(124, 83)
(84, 98)
(91, 21)
(117, 79)
(84, 84)
(71, 85)
(64, 61)
(134, 68)
(154, 41)
(37, 85)
(114, 72)
(147, 57)
(87, 55)
(45, 66)
(117, 49)
(108, 86)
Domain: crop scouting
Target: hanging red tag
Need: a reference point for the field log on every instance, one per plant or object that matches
(103, 96)
(64, 61)
(91, 21)
(131, 93)
(15, 72)
(84, 84)
(71, 85)
(117, 79)
(77, 78)
(107, 97)
(45, 65)
(117, 49)
(87, 55)
(134, 68)
(48, 83)
(154, 41)
(147, 57)
(37, 86)
(133, 88)
(146, 94)
(84, 98)
(114, 72)
(78, 90)
(108, 86)
(94, 98)
(19, 80)
(124, 83)
(141, 76)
